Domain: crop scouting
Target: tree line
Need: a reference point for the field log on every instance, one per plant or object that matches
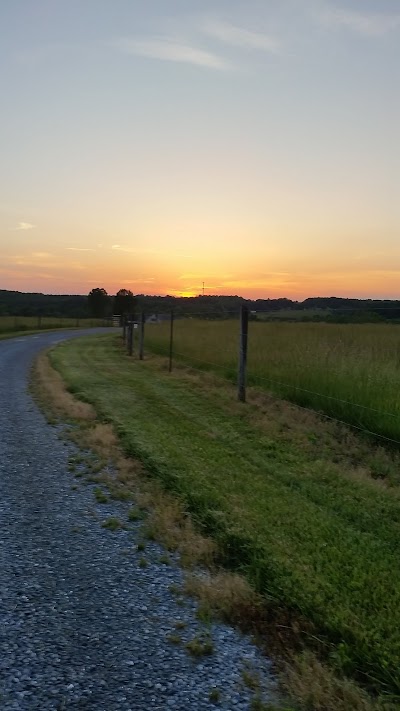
(99, 304)
(330, 309)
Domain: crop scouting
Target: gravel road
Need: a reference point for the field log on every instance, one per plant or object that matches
(84, 624)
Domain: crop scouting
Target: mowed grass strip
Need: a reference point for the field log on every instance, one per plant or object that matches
(305, 533)
(329, 367)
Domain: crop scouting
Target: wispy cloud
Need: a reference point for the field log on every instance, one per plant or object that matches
(200, 277)
(135, 250)
(42, 255)
(80, 249)
(240, 37)
(24, 226)
(122, 248)
(170, 50)
(369, 24)
(39, 259)
(148, 280)
(149, 252)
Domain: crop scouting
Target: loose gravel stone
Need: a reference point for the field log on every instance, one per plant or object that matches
(82, 624)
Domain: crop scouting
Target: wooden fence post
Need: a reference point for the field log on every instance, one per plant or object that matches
(130, 338)
(141, 335)
(243, 336)
(171, 340)
(124, 328)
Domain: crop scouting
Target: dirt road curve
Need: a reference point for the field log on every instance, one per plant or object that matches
(84, 624)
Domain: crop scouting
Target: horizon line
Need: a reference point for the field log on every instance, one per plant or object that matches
(214, 296)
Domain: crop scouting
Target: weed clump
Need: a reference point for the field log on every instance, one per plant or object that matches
(101, 497)
(112, 524)
(200, 646)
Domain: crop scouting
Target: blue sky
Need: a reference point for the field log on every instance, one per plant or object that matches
(159, 144)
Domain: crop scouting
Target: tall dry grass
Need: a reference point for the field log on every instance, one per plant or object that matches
(347, 371)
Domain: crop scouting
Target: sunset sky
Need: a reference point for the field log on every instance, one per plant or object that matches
(156, 144)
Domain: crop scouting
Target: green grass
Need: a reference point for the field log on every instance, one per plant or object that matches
(11, 326)
(174, 639)
(112, 523)
(100, 496)
(135, 514)
(214, 695)
(293, 314)
(329, 367)
(307, 533)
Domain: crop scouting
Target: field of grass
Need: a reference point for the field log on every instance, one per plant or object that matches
(293, 314)
(19, 324)
(290, 499)
(347, 371)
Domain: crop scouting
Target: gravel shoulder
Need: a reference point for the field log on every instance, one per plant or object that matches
(84, 624)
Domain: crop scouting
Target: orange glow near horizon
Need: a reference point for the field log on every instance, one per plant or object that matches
(249, 262)
(74, 271)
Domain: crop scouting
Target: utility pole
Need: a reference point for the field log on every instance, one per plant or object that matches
(203, 288)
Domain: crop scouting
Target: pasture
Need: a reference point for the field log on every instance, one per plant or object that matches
(347, 371)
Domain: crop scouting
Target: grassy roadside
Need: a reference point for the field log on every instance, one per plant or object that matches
(291, 501)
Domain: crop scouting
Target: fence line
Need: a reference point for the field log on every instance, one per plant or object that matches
(245, 373)
(171, 340)
(314, 412)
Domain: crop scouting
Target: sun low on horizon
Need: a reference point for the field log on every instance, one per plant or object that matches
(235, 146)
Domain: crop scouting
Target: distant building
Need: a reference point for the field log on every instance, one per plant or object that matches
(152, 319)
(158, 318)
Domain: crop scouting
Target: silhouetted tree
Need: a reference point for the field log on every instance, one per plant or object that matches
(98, 302)
(124, 302)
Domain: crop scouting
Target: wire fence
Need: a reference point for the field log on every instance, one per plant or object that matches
(350, 375)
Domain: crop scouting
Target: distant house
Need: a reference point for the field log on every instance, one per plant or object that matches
(152, 319)
(158, 318)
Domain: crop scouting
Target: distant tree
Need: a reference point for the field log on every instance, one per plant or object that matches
(124, 302)
(98, 302)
